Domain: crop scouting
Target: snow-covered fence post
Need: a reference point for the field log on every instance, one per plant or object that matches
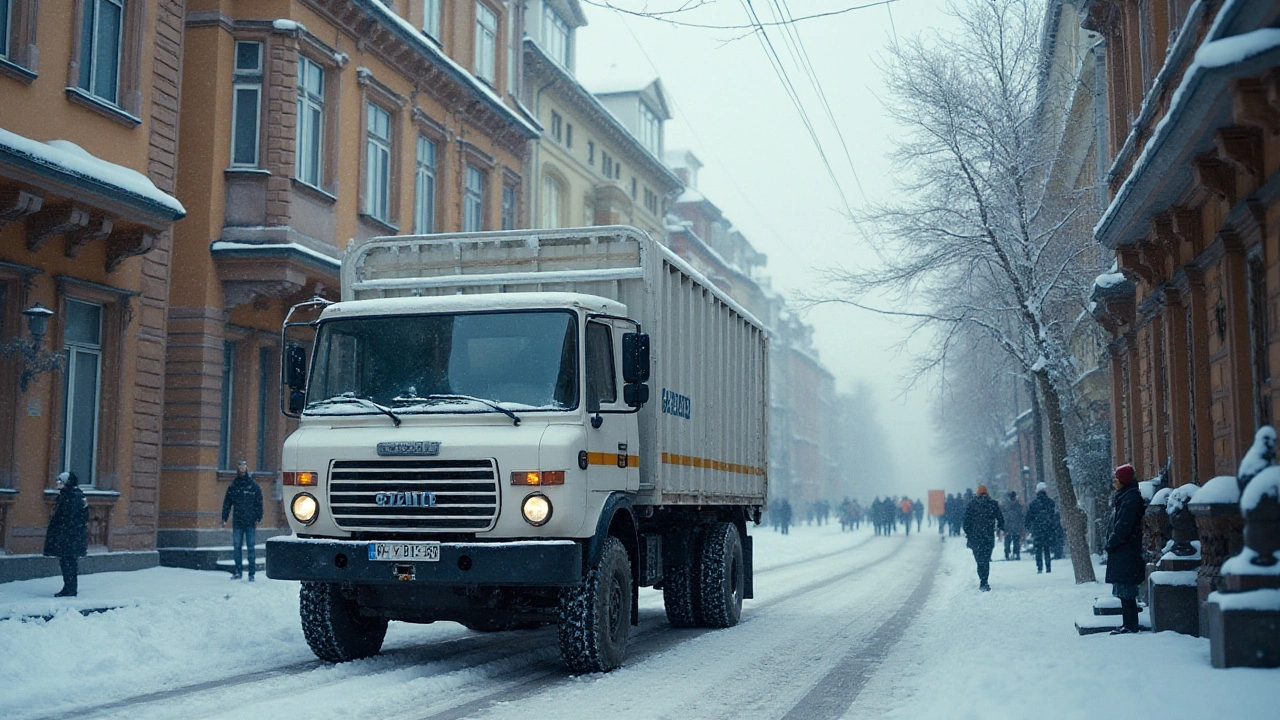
(1244, 612)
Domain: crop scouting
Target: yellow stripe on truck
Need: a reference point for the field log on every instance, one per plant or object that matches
(698, 462)
(597, 458)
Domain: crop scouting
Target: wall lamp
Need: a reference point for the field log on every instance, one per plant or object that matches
(35, 361)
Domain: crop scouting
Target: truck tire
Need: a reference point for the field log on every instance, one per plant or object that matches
(680, 577)
(595, 619)
(722, 576)
(334, 627)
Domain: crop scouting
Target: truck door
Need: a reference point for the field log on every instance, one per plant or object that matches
(612, 445)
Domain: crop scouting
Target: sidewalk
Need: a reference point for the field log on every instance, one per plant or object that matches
(1014, 653)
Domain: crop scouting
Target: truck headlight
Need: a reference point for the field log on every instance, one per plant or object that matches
(304, 508)
(536, 509)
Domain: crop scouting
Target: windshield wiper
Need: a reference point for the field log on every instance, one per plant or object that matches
(490, 403)
(350, 398)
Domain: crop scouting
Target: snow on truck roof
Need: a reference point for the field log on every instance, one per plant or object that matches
(474, 303)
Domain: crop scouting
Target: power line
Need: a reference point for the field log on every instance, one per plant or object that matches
(664, 15)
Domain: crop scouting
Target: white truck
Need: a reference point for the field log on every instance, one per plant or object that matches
(476, 441)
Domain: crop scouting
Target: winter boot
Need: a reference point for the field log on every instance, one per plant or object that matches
(234, 576)
(65, 592)
(250, 577)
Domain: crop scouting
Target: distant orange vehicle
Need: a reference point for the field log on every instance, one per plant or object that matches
(937, 503)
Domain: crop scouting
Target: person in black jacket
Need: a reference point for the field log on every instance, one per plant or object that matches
(1041, 521)
(982, 518)
(243, 502)
(67, 535)
(1125, 569)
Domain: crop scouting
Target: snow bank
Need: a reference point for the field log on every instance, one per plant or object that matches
(1222, 489)
(68, 157)
(1252, 600)
(1179, 578)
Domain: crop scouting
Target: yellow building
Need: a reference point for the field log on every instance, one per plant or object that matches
(88, 156)
(597, 162)
(308, 123)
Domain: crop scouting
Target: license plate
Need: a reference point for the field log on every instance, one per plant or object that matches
(399, 551)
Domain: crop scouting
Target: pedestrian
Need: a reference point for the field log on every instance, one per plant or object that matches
(1041, 522)
(1012, 510)
(982, 520)
(904, 508)
(918, 509)
(243, 502)
(67, 535)
(1125, 568)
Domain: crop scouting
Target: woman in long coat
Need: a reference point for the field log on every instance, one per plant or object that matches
(1125, 569)
(67, 536)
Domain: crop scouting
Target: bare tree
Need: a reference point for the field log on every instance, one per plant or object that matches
(975, 243)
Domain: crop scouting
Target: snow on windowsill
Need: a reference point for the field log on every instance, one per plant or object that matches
(227, 245)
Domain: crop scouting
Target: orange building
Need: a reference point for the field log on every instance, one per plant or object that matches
(88, 159)
(1193, 115)
(308, 123)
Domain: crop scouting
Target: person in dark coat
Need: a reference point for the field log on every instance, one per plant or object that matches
(1125, 570)
(982, 519)
(917, 509)
(67, 536)
(1012, 510)
(243, 502)
(1041, 521)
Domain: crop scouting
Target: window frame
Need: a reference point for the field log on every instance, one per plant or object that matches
(89, 50)
(432, 19)
(650, 129)
(73, 349)
(375, 205)
(6, 16)
(556, 36)
(593, 403)
(486, 43)
(553, 189)
(307, 100)
(473, 199)
(510, 202)
(425, 222)
(247, 80)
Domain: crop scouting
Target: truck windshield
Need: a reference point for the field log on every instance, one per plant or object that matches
(468, 362)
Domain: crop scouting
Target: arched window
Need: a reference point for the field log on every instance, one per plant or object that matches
(553, 202)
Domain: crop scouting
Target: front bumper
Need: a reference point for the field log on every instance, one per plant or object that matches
(528, 563)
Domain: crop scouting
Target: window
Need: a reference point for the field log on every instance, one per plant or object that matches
(5, 12)
(228, 396)
(568, 136)
(602, 383)
(431, 18)
(508, 207)
(557, 126)
(591, 152)
(246, 105)
(424, 188)
(83, 348)
(100, 39)
(552, 202)
(486, 42)
(377, 178)
(555, 35)
(588, 213)
(650, 130)
(651, 201)
(633, 188)
(606, 164)
(473, 200)
(310, 122)
(617, 171)
(514, 38)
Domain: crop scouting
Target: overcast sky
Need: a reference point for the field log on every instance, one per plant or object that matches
(764, 171)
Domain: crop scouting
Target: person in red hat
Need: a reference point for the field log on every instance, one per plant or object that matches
(1124, 546)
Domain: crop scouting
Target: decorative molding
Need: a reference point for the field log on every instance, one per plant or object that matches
(121, 246)
(97, 229)
(1241, 147)
(1250, 105)
(16, 204)
(52, 222)
(1214, 175)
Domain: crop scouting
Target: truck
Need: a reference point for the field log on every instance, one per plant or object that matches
(477, 441)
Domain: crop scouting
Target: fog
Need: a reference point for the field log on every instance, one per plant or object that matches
(763, 169)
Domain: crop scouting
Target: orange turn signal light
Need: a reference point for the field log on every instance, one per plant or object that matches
(549, 477)
(300, 478)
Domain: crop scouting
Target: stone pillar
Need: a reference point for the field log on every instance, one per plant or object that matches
(1221, 529)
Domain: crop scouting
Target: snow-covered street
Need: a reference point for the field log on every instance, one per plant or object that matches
(843, 625)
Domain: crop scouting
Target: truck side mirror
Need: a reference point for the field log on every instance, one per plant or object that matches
(295, 369)
(635, 394)
(635, 359)
(297, 401)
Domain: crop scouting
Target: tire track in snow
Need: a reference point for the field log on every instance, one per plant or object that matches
(836, 692)
(653, 636)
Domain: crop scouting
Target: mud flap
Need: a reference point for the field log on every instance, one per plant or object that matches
(748, 582)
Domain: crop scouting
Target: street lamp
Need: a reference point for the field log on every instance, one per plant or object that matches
(35, 361)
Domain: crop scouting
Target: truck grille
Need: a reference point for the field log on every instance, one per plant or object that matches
(466, 494)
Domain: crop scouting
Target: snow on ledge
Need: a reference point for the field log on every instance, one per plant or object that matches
(70, 158)
(1106, 281)
(1267, 599)
(1222, 489)
(1178, 578)
(229, 246)
(1242, 564)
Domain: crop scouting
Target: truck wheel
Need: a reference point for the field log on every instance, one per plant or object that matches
(680, 577)
(334, 627)
(595, 619)
(722, 576)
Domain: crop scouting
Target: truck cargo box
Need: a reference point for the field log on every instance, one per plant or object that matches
(704, 433)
